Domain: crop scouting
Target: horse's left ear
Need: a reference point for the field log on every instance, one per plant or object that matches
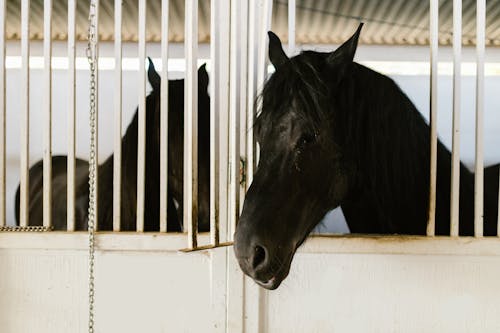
(276, 54)
(345, 53)
(153, 76)
(203, 77)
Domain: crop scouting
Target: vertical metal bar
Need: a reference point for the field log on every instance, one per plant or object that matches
(164, 118)
(2, 111)
(243, 37)
(47, 106)
(233, 117)
(455, 165)
(266, 15)
(223, 114)
(24, 141)
(252, 87)
(479, 161)
(70, 208)
(215, 9)
(141, 143)
(291, 27)
(117, 137)
(191, 124)
(434, 32)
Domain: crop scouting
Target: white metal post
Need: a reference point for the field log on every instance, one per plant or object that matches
(70, 206)
(291, 28)
(479, 161)
(215, 46)
(2, 111)
(24, 181)
(253, 25)
(455, 165)
(243, 90)
(117, 128)
(234, 66)
(47, 107)
(164, 118)
(434, 38)
(191, 124)
(141, 143)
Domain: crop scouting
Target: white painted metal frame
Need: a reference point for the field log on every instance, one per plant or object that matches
(191, 124)
(479, 162)
(3, 96)
(252, 87)
(24, 140)
(70, 206)
(243, 106)
(291, 28)
(215, 35)
(47, 108)
(434, 40)
(455, 153)
(141, 143)
(117, 129)
(164, 118)
(234, 110)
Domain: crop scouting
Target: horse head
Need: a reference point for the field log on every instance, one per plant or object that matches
(176, 140)
(303, 171)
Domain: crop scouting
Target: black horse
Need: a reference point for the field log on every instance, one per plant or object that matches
(129, 169)
(335, 133)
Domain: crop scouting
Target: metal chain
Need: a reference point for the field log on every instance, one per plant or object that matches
(31, 228)
(92, 58)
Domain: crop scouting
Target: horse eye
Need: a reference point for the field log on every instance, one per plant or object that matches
(306, 139)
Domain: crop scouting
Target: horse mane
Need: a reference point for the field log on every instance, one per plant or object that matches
(382, 132)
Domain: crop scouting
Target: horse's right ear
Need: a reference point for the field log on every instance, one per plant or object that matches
(276, 54)
(153, 76)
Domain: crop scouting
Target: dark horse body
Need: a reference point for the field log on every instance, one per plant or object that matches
(335, 133)
(129, 170)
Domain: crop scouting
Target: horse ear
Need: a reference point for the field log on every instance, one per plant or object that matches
(276, 54)
(345, 53)
(203, 77)
(153, 77)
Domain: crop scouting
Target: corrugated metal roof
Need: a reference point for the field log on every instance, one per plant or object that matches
(390, 22)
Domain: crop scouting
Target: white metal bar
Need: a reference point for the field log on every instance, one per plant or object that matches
(223, 130)
(2, 112)
(479, 161)
(233, 186)
(455, 164)
(164, 118)
(141, 143)
(70, 208)
(24, 179)
(243, 100)
(291, 28)
(266, 14)
(252, 87)
(215, 32)
(434, 44)
(117, 130)
(47, 106)
(191, 124)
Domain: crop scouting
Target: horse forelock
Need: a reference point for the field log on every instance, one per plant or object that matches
(298, 86)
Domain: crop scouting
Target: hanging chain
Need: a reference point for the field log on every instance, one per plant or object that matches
(92, 58)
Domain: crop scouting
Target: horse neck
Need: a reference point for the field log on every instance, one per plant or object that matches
(389, 144)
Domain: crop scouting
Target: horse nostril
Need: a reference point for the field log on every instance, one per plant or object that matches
(259, 256)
